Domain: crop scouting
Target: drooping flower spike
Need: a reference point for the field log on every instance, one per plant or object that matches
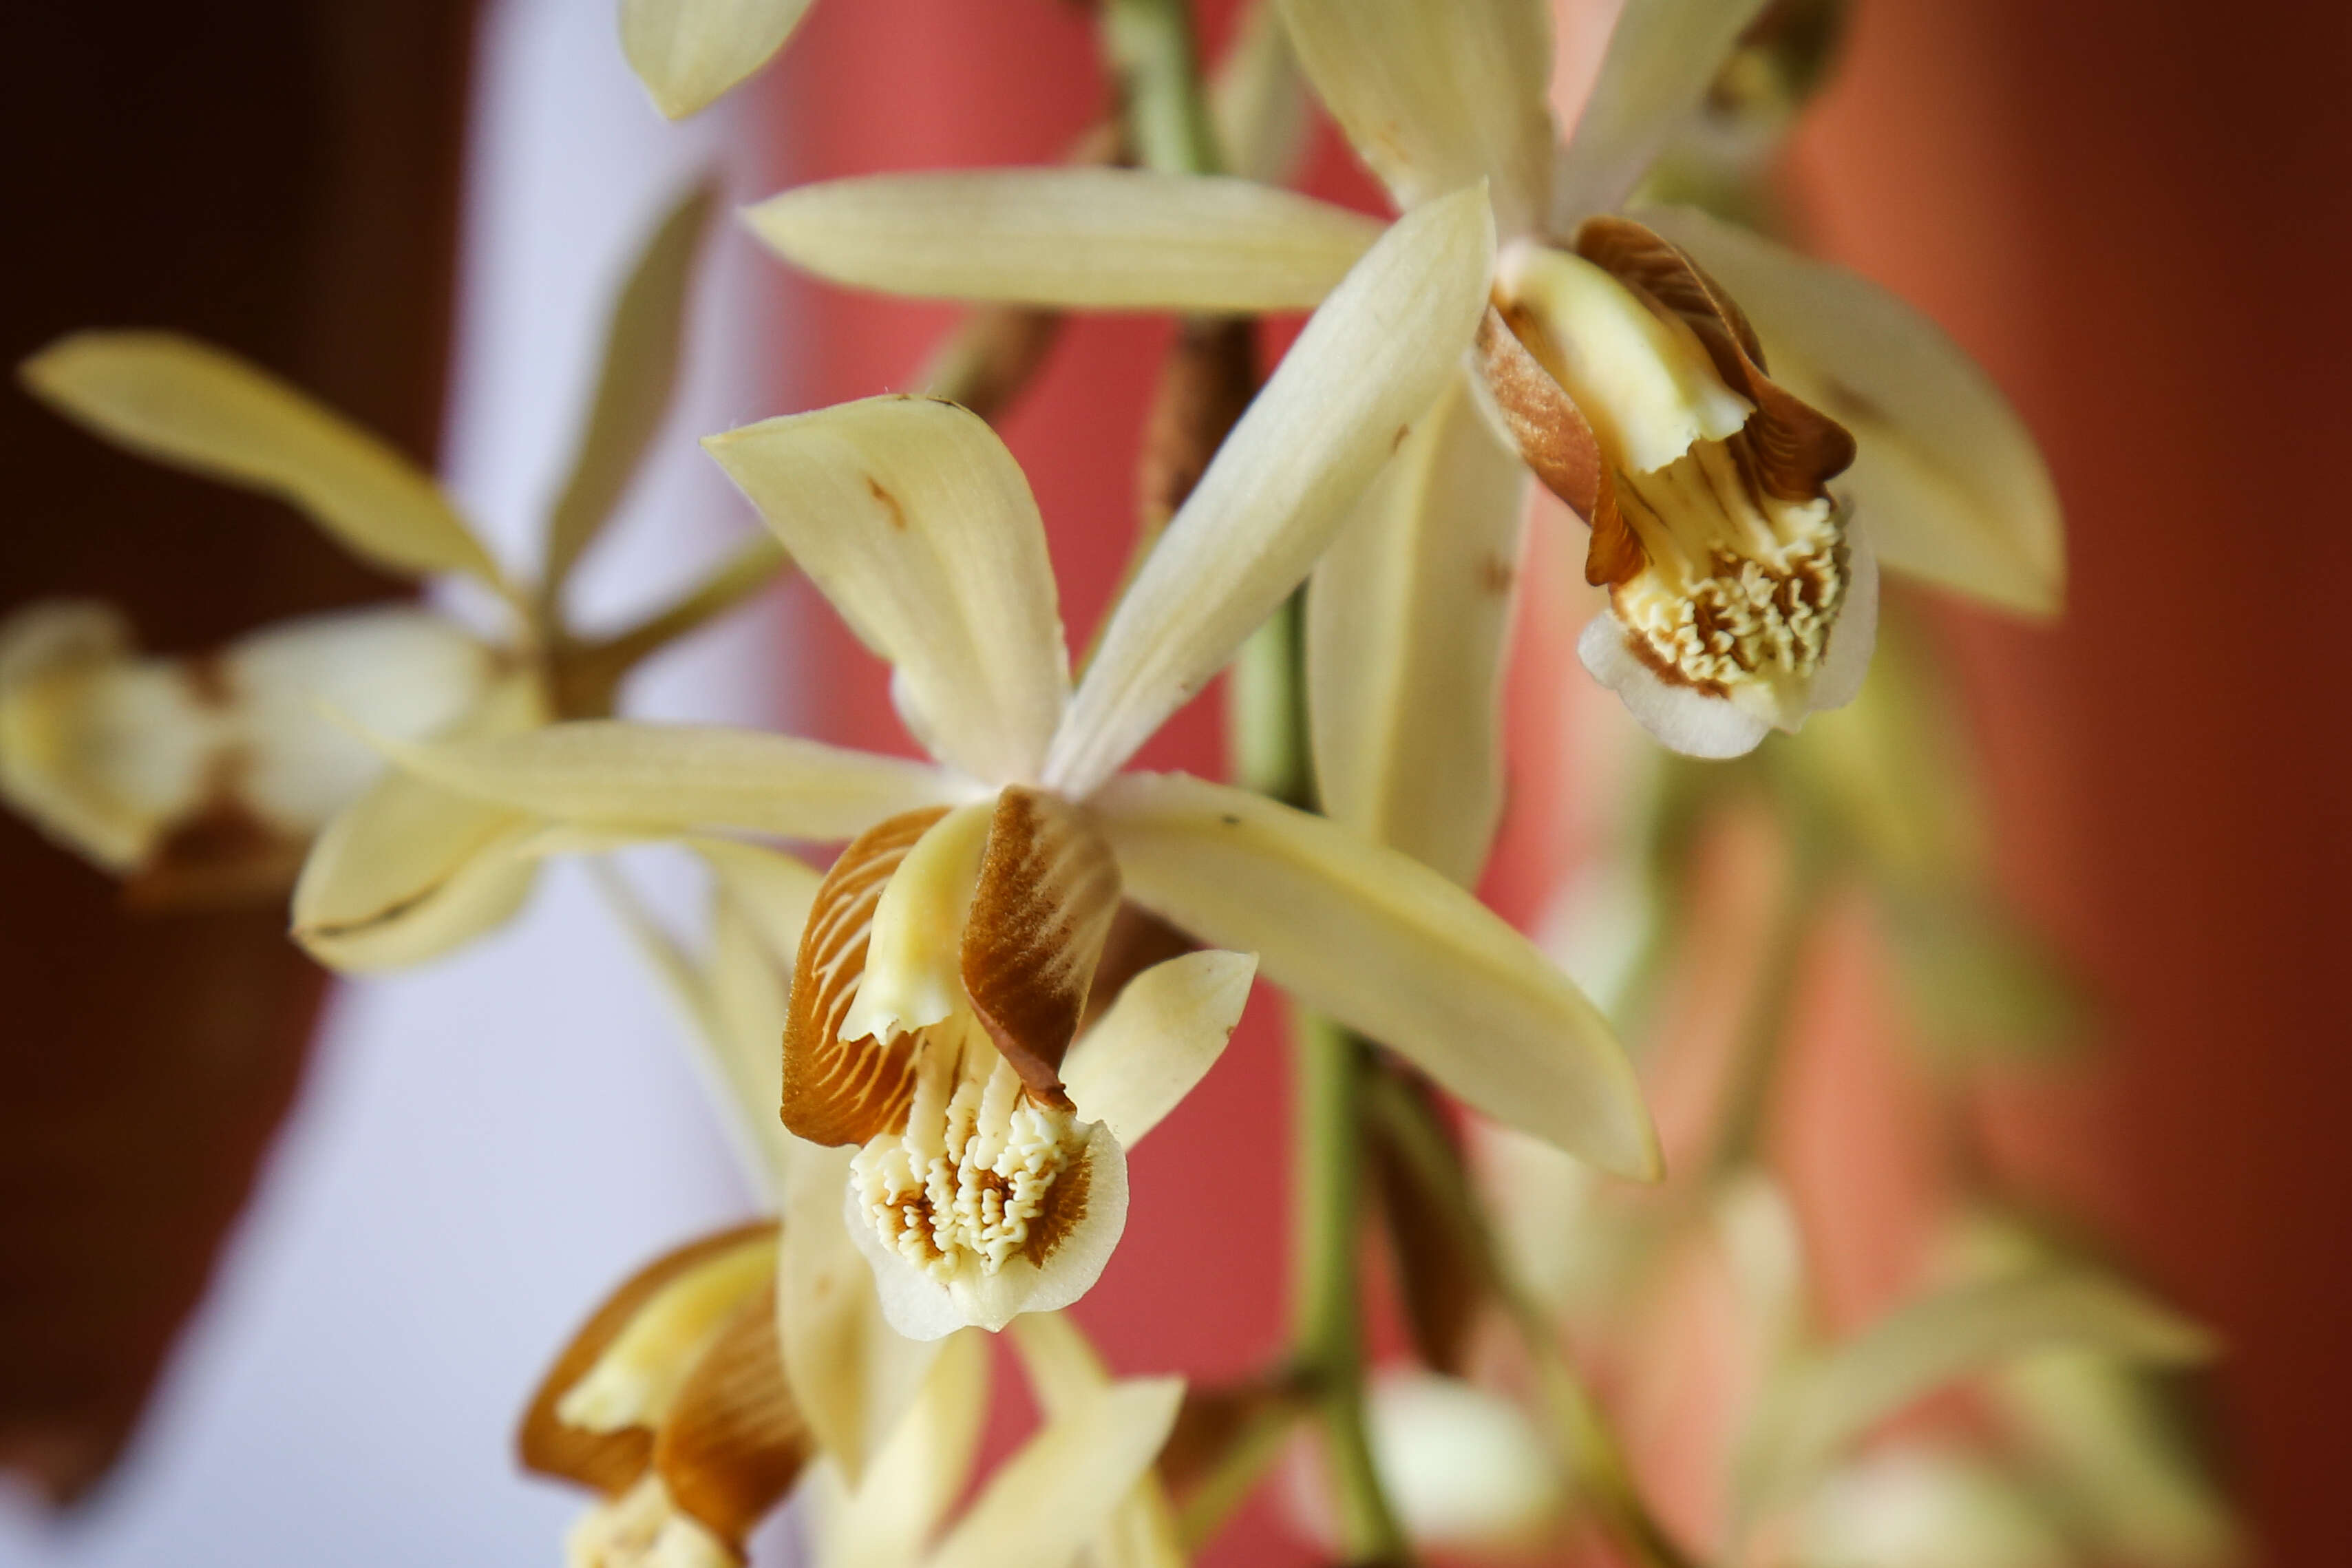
(209, 776)
(1739, 512)
(947, 956)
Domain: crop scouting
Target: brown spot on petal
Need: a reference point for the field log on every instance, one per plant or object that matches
(1063, 1211)
(889, 503)
(1048, 889)
(735, 1442)
(1797, 448)
(1497, 574)
(838, 1091)
(610, 1461)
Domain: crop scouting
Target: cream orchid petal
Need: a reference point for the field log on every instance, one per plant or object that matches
(1160, 1038)
(911, 976)
(410, 870)
(643, 341)
(1682, 718)
(1406, 618)
(1389, 947)
(1056, 1493)
(681, 776)
(922, 1305)
(1438, 94)
(1946, 475)
(637, 1378)
(918, 525)
(1066, 1373)
(1366, 369)
(921, 1470)
(1818, 1409)
(211, 773)
(1115, 239)
(197, 408)
(854, 1376)
(1257, 101)
(1662, 56)
(688, 53)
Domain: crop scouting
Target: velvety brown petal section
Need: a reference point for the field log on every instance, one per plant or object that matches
(1797, 448)
(1048, 889)
(1557, 442)
(845, 1092)
(610, 1461)
(735, 1441)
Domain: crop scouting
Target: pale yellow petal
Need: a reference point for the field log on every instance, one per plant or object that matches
(634, 384)
(1066, 1373)
(913, 976)
(1818, 1409)
(919, 526)
(1117, 239)
(1662, 56)
(637, 1377)
(1438, 94)
(408, 872)
(1406, 620)
(689, 52)
(187, 404)
(1366, 369)
(920, 1472)
(1062, 1487)
(1257, 101)
(856, 1377)
(680, 776)
(1160, 1038)
(1389, 948)
(1946, 477)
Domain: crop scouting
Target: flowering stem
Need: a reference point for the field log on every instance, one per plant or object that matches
(1764, 1027)
(1327, 1333)
(1149, 48)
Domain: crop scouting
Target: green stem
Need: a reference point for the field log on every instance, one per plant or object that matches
(1326, 1334)
(588, 674)
(1764, 1026)
(1149, 48)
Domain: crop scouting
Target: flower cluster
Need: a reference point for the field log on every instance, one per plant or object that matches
(1022, 954)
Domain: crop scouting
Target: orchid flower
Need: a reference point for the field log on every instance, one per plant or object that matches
(938, 985)
(1625, 355)
(211, 775)
(676, 1402)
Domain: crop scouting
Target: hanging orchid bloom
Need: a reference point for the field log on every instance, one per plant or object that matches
(946, 956)
(674, 1401)
(209, 776)
(1626, 356)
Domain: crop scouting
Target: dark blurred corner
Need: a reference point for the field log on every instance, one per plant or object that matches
(279, 176)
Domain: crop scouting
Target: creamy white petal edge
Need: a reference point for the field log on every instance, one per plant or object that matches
(884, 1517)
(1363, 372)
(689, 52)
(1065, 1373)
(919, 526)
(1662, 58)
(1389, 948)
(186, 403)
(1436, 96)
(1946, 477)
(1159, 1039)
(1083, 239)
(1407, 614)
(683, 776)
